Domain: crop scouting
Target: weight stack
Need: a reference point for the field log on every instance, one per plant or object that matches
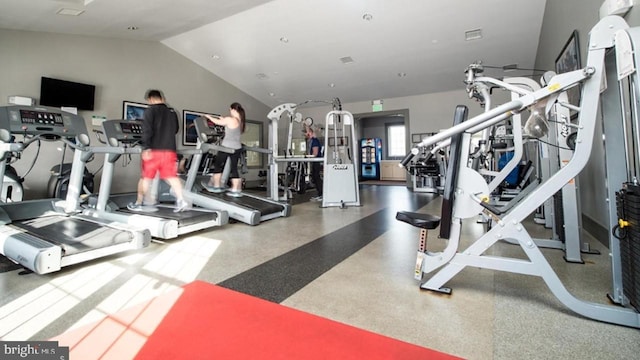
(628, 209)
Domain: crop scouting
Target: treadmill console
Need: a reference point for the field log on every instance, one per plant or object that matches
(44, 121)
(41, 117)
(217, 129)
(131, 128)
(207, 131)
(122, 131)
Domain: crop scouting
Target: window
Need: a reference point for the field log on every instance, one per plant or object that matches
(396, 140)
(252, 137)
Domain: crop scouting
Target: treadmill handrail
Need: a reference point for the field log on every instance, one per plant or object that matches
(213, 147)
(257, 149)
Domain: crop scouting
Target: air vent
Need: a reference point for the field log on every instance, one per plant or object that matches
(70, 12)
(347, 60)
(473, 34)
(262, 76)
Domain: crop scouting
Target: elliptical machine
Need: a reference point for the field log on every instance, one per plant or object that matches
(59, 180)
(12, 189)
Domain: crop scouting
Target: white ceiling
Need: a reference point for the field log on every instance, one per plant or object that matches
(424, 39)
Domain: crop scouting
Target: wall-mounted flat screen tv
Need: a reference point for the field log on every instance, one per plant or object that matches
(59, 93)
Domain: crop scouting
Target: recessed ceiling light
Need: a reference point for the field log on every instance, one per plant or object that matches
(132, 28)
(215, 57)
(70, 12)
(332, 85)
(284, 39)
(367, 17)
(473, 34)
(272, 94)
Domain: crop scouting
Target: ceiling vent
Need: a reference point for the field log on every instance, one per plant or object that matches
(473, 34)
(347, 60)
(70, 12)
(262, 76)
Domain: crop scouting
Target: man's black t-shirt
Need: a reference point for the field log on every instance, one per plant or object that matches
(159, 128)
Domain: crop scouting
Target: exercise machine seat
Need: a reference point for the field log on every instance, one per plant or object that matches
(420, 220)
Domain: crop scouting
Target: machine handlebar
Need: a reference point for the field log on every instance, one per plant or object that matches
(407, 159)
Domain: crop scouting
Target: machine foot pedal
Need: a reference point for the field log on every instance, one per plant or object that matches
(442, 290)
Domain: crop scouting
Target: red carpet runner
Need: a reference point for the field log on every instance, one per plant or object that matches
(210, 322)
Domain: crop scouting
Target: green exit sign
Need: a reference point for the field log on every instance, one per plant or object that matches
(376, 105)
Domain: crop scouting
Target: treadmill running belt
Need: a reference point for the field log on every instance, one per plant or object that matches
(73, 235)
(184, 218)
(265, 207)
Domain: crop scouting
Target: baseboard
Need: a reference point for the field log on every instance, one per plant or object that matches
(596, 230)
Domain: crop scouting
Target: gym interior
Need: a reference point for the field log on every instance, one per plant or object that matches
(360, 273)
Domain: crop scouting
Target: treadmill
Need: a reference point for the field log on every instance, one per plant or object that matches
(46, 235)
(122, 136)
(249, 209)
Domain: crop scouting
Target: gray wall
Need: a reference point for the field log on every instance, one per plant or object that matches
(121, 70)
(556, 29)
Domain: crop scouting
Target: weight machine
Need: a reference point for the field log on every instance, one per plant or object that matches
(295, 163)
(466, 193)
(341, 186)
(560, 212)
(427, 170)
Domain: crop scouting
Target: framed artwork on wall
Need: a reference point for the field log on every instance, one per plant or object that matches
(569, 60)
(418, 137)
(133, 110)
(189, 135)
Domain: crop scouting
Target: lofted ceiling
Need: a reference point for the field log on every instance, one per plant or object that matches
(297, 50)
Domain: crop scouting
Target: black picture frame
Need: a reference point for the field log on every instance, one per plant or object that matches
(189, 135)
(569, 60)
(133, 110)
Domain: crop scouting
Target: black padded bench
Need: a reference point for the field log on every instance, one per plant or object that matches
(423, 221)
(429, 222)
(420, 220)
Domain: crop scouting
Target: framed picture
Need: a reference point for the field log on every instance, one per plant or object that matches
(569, 60)
(189, 135)
(418, 137)
(133, 110)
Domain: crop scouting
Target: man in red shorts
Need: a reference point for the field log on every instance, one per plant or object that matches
(159, 129)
